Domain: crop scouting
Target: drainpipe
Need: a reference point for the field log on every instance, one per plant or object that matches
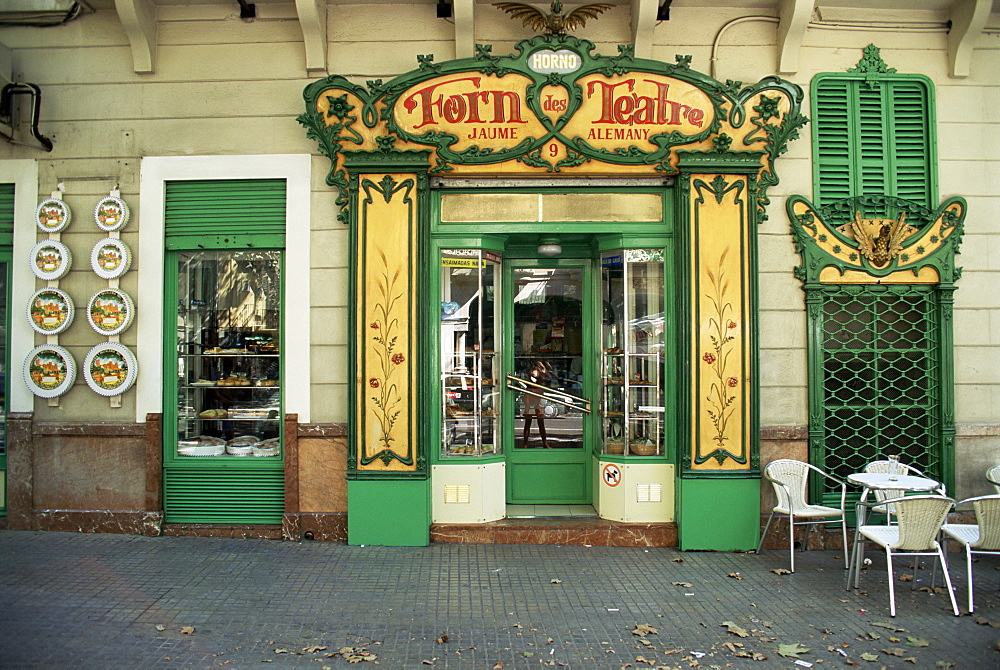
(6, 107)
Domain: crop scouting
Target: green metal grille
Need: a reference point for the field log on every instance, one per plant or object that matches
(881, 377)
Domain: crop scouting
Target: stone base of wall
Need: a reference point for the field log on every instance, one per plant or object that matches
(239, 531)
(319, 526)
(98, 521)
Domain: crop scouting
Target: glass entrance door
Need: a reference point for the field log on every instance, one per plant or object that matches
(547, 383)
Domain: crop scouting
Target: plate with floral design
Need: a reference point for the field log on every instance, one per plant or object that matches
(49, 371)
(110, 258)
(50, 311)
(50, 259)
(110, 311)
(110, 369)
(52, 215)
(111, 214)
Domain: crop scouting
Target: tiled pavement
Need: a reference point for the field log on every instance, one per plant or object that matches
(118, 601)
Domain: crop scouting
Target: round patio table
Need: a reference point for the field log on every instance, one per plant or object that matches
(880, 481)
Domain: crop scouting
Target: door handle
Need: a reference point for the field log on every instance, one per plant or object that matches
(526, 387)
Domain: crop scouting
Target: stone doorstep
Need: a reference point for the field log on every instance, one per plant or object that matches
(573, 531)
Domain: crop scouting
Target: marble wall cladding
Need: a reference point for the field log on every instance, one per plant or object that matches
(319, 526)
(322, 466)
(99, 521)
(237, 531)
(569, 531)
(89, 467)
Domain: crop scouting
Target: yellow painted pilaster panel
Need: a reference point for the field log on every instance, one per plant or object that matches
(721, 312)
(387, 323)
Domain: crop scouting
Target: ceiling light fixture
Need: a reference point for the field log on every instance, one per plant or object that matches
(548, 245)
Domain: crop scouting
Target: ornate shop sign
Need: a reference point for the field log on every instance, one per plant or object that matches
(554, 108)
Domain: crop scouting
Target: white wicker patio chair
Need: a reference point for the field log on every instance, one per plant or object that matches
(982, 537)
(993, 476)
(790, 479)
(918, 522)
(893, 467)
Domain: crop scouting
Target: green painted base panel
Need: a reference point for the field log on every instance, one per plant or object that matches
(390, 512)
(718, 514)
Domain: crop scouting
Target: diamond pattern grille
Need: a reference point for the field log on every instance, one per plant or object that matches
(881, 377)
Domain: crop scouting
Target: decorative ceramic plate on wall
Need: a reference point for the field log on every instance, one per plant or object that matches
(110, 311)
(49, 371)
(50, 259)
(110, 368)
(110, 258)
(111, 214)
(52, 215)
(50, 311)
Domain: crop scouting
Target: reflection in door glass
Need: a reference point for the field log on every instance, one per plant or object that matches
(548, 353)
(632, 361)
(470, 421)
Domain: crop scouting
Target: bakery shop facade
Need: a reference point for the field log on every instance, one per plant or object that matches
(583, 226)
(541, 280)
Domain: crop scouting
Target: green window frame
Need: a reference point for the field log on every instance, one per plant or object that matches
(203, 215)
(880, 359)
(874, 135)
(6, 242)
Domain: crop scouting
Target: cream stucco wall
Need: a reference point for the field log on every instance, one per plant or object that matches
(225, 87)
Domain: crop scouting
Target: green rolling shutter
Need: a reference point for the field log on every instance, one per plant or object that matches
(224, 495)
(225, 214)
(873, 137)
(6, 215)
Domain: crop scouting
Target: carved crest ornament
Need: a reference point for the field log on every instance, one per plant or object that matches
(555, 23)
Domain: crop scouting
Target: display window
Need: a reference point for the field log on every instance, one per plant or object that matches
(229, 400)
(632, 399)
(470, 357)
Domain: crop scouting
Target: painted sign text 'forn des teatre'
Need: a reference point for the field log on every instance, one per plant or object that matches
(615, 112)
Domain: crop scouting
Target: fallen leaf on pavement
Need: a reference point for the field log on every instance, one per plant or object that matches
(944, 665)
(890, 626)
(555, 581)
(442, 638)
(644, 629)
(792, 650)
(678, 560)
(313, 649)
(871, 658)
(735, 629)
(735, 575)
(430, 662)
(782, 571)
(895, 651)
(684, 584)
(983, 621)
(498, 665)
(187, 630)
(916, 642)
(906, 577)
(733, 646)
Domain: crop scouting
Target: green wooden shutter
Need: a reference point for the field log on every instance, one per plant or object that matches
(225, 214)
(6, 215)
(832, 141)
(873, 138)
